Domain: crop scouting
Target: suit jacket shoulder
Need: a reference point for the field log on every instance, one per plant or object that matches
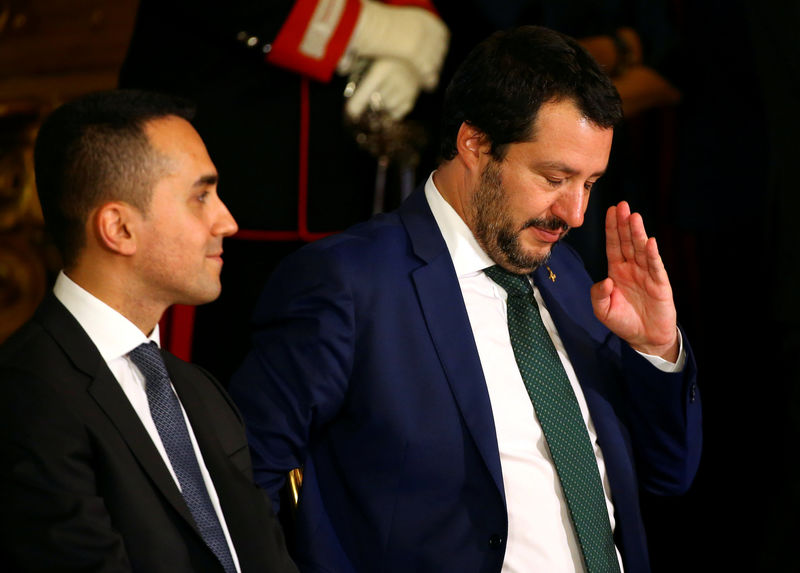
(83, 486)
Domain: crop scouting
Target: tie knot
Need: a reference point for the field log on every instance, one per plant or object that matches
(148, 359)
(514, 285)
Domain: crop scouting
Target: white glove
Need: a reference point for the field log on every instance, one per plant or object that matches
(402, 32)
(389, 85)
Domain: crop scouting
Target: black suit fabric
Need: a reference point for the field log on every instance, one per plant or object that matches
(83, 487)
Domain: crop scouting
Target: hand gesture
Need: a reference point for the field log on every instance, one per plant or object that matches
(635, 301)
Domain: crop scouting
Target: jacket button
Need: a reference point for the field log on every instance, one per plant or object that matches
(495, 542)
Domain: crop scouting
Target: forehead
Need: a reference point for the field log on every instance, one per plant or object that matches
(561, 134)
(175, 139)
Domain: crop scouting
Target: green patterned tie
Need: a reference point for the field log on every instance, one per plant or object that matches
(561, 420)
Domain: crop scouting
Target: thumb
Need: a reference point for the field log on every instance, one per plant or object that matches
(360, 99)
(600, 294)
(389, 86)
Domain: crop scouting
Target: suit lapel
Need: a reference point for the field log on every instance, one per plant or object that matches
(567, 299)
(206, 432)
(109, 396)
(584, 338)
(211, 437)
(183, 378)
(566, 295)
(448, 324)
(107, 393)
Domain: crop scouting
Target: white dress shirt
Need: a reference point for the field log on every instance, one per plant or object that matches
(115, 336)
(541, 536)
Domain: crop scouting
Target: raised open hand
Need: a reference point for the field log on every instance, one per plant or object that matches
(635, 301)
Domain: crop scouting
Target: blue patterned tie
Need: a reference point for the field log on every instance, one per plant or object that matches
(561, 420)
(169, 420)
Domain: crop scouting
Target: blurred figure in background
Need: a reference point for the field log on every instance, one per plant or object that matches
(632, 39)
(268, 79)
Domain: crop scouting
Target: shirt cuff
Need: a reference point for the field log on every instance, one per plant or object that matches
(666, 365)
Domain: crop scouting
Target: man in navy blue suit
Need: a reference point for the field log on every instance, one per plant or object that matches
(382, 362)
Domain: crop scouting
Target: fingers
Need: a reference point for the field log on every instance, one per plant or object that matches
(358, 102)
(614, 250)
(638, 239)
(389, 85)
(655, 265)
(627, 246)
(627, 242)
(626, 239)
(408, 33)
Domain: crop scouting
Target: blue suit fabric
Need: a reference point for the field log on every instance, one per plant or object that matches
(364, 372)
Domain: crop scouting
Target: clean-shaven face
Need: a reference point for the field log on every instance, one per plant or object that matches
(185, 222)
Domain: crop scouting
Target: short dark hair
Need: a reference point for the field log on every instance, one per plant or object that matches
(505, 79)
(95, 149)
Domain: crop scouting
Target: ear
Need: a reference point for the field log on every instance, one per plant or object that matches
(473, 146)
(115, 225)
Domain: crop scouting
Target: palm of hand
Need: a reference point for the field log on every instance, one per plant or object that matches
(635, 301)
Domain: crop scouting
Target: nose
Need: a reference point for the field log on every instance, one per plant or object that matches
(571, 205)
(224, 224)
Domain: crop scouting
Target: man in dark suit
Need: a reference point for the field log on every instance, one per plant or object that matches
(115, 456)
(385, 366)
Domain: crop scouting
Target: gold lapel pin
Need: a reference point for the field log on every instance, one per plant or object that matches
(552, 275)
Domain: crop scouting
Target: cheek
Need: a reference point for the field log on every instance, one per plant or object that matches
(528, 201)
(524, 197)
(170, 248)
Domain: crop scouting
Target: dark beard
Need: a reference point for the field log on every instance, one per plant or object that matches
(494, 228)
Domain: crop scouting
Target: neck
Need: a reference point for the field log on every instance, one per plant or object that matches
(453, 184)
(119, 292)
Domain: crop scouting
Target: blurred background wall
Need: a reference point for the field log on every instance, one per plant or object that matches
(50, 51)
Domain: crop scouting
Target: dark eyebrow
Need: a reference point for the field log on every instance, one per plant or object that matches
(206, 180)
(563, 168)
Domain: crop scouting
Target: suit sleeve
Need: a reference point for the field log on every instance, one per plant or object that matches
(666, 422)
(53, 518)
(315, 35)
(296, 375)
(659, 411)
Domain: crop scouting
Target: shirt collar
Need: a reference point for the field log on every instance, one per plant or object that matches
(112, 333)
(468, 256)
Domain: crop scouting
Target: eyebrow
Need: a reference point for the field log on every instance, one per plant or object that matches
(206, 180)
(564, 168)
